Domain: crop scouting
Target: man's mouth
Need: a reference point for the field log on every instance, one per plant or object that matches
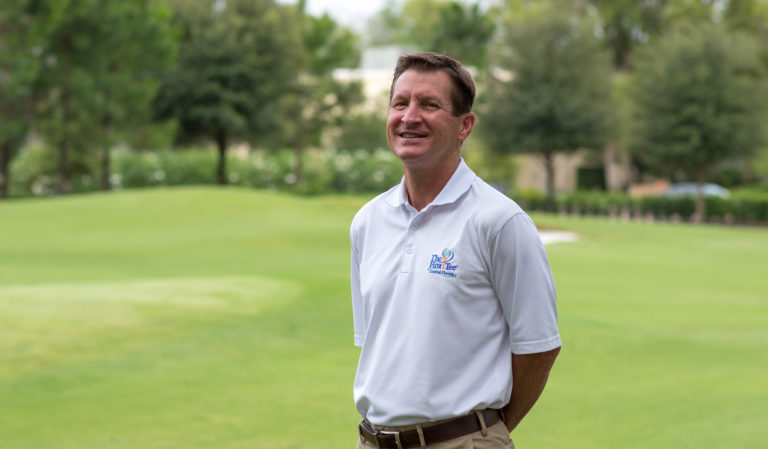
(408, 135)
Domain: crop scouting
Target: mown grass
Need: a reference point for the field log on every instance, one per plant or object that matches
(203, 317)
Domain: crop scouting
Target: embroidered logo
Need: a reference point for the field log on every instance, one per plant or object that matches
(441, 264)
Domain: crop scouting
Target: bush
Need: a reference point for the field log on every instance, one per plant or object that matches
(716, 208)
(360, 171)
(593, 203)
(323, 171)
(530, 200)
(749, 207)
(35, 171)
(663, 207)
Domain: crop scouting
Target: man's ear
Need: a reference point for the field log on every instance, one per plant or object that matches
(467, 123)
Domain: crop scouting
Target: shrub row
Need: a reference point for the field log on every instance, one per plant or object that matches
(322, 171)
(34, 172)
(742, 208)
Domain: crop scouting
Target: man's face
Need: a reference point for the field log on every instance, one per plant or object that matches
(421, 128)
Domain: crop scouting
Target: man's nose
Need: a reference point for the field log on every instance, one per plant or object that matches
(412, 114)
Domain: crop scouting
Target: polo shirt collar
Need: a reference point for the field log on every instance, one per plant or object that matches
(460, 181)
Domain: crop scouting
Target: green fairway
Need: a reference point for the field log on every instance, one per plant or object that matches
(220, 318)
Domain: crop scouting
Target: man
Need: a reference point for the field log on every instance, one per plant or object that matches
(452, 294)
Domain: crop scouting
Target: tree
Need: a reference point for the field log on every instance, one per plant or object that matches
(464, 33)
(627, 23)
(102, 62)
(136, 45)
(236, 61)
(315, 100)
(556, 96)
(25, 28)
(66, 99)
(699, 96)
(455, 28)
(364, 130)
(751, 17)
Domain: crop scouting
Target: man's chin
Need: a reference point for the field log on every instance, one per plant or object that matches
(406, 152)
(410, 158)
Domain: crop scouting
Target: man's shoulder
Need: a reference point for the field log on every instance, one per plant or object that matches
(491, 204)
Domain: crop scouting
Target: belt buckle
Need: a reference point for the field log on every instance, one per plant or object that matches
(396, 433)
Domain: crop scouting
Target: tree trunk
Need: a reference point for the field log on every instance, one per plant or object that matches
(106, 168)
(549, 166)
(106, 159)
(298, 166)
(221, 170)
(65, 186)
(5, 163)
(701, 206)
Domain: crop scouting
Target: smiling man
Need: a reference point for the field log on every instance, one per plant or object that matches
(452, 294)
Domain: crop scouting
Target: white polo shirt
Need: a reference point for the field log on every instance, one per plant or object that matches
(441, 298)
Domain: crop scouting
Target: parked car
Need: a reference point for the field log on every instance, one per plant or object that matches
(691, 189)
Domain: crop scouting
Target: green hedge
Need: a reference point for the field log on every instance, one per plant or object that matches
(35, 171)
(748, 207)
(323, 171)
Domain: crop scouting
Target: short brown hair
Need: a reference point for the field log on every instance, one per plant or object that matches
(463, 92)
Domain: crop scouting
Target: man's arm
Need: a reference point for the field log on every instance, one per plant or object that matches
(529, 375)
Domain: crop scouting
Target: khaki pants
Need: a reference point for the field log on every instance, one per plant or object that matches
(497, 437)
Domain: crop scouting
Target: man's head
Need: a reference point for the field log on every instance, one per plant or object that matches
(463, 88)
(429, 111)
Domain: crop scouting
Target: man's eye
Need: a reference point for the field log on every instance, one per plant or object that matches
(399, 105)
(431, 106)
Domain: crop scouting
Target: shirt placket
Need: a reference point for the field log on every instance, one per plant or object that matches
(409, 249)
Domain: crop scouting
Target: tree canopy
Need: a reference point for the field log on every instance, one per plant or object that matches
(455, 28)
(102, 59)
(699, 96)
(25, 31)
(236, 60)
(315, 101)
(552, 90)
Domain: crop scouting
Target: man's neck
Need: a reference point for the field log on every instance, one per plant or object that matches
(423, 184)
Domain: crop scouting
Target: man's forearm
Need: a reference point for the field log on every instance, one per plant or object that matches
(529, 376)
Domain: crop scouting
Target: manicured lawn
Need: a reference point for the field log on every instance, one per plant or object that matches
(220, 318)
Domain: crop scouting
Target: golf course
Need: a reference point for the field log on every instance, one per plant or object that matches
(206, 317)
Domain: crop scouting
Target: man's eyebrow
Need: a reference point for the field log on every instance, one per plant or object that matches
(418, 97)
(431, 98)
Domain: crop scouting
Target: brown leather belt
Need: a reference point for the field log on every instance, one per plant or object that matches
(448, 430)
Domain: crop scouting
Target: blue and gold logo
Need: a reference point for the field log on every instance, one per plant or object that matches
(441, 264)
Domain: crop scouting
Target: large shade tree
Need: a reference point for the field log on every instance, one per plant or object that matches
(554, 94)
(101, 62)
(66, 99)
(136, 44)
(314, 100)
(236, 61)
(25, 31)
(699, 99)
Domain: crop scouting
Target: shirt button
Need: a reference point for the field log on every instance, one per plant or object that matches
(414, 227)
(409, 250)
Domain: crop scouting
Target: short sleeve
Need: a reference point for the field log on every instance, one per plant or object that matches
(357, 300)
(523, 282)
